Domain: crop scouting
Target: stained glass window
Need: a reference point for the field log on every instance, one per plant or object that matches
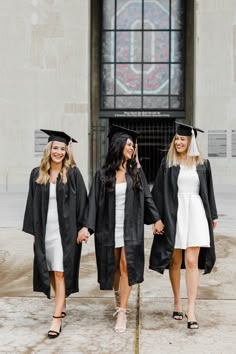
(142, 64)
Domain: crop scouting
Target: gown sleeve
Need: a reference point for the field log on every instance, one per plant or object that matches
(151, 213)
(211, 195)
(158, 190)
(92, 205)
(28, 222)
(81, 201)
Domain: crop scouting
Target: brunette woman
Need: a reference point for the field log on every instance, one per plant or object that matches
(119, 204)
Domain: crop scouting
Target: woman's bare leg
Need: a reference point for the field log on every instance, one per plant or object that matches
(59, 300)
(116, 283)
(125, 289)
(52, 281)
(192, 279)
(175, 277)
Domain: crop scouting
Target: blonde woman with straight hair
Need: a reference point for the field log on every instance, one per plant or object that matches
(54, 211)
(184, 195)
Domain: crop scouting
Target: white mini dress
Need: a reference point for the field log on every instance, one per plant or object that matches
(53, 246)
(192, 228)
(120, 214)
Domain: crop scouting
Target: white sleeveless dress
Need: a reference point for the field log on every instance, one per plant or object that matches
(192, 227)
(54, 252)
(120, 214)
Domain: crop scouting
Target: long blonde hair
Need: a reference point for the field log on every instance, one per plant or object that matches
(45, 164)
(172, 158)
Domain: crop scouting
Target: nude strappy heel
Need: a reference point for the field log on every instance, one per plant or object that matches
(121, 321)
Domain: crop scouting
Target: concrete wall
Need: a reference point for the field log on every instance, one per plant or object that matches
(215, 78)
(44, 81)
(45, 76)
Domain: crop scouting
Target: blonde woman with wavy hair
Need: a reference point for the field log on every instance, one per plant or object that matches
(45, 165)
(174, 158)
(54, 211)
(184, 195)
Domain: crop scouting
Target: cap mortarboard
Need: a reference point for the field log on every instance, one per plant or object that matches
(117, 129)
(56, 135)
(186, 129)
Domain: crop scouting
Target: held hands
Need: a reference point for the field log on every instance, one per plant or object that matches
(83, 235)
(158, 228)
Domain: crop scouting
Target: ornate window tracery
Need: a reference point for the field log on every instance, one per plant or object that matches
(142, 62)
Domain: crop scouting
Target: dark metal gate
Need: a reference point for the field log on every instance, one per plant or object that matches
(153, 143)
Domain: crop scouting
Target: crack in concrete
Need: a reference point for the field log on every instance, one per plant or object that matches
(137, 327)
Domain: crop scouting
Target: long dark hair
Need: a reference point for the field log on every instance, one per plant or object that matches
(115, 158)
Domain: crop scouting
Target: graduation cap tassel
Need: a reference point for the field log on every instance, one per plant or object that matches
(71, 154)
(193, 149)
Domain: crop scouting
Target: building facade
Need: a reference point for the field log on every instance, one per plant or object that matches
(80, 66)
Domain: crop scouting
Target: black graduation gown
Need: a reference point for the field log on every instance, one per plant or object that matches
(71, 203)
(165, 195)
(100, 218)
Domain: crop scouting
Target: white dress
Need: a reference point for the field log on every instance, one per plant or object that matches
(54, 252)
(192, 227)
(120, 214)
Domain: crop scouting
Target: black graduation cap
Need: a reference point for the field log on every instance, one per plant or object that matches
(56, 135)
(117, 129)
(186, 129)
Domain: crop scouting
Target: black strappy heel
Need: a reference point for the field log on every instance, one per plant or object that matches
(178, 315)
(54, 334)
(192, 324)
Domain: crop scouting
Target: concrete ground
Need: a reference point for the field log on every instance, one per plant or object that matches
(89, 325)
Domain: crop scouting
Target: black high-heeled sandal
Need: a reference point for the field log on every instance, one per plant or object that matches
(192, 324)
(178, 315)
(54, 334)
